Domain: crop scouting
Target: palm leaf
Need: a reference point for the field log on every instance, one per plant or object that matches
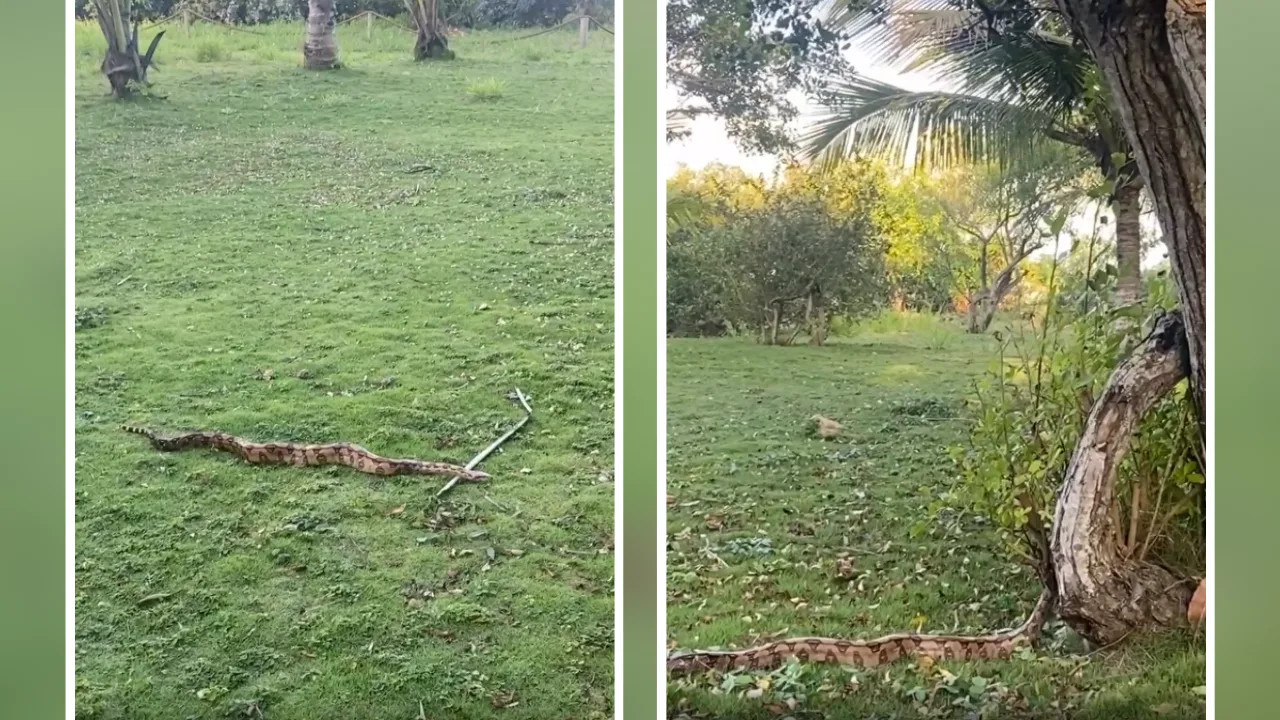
(1025, 65)
(939, 129)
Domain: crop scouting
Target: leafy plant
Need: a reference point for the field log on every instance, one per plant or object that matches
(1031, 410)
(490, 90)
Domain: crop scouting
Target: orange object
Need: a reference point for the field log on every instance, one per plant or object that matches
(1195, 611)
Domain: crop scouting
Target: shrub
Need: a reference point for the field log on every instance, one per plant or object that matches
(489, 90)
(1031, 409)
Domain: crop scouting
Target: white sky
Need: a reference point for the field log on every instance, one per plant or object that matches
(709, 143)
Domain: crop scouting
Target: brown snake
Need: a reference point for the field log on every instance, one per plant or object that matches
(868, 653)
(298, 455)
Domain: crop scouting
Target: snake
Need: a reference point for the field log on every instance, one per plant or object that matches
(302, 455)
(868, 653)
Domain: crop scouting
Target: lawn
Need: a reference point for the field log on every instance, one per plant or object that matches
(760, 512)
(379, 255)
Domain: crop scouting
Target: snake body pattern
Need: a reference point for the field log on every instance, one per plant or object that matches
(868, 653)
(299, 455)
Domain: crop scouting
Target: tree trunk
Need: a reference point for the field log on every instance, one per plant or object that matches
(773, 319)
(1101, 595)
(1155, 67)
(982, 310)
(320, 51)
(1127, 205)
(984, 303)
(431, 42)
(1188, 37)
(818, 333)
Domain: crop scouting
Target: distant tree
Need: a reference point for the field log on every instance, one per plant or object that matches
(1007, 214)
(1017, 80)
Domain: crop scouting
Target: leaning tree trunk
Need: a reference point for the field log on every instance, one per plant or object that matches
(1101, 595)
(1155, 67)
(1127, 206)
(1154, 64)
(984, 303)
(320, 51)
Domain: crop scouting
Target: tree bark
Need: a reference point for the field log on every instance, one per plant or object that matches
(1127, 205)
(1101, 595)
(1155, 67)
(1188, 38)
(320, 51)
(431, 42)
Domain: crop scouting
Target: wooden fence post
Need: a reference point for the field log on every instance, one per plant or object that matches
(186, 21)
(584, 22)
(368, 25)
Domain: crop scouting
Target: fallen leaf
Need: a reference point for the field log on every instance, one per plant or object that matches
(826, 427)
(396, 510)
(1164, 708)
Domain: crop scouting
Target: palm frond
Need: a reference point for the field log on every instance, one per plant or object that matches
(937, 129)
(1022, 63)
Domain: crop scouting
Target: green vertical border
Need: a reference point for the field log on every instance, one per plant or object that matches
(641, 247)
(1245, 342)
(32, 325)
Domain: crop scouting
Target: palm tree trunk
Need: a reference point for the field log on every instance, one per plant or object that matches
(320, 51)
(431, 42)
(1127, 205)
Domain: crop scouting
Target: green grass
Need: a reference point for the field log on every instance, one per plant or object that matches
(762, 511)
(360, 255)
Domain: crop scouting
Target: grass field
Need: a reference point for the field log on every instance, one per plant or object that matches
(377, 255)
(761, 512)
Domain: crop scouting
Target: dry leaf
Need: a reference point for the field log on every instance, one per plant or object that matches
(826, 427)
(396, 510)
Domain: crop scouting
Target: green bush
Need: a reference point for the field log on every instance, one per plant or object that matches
(722, 276)
(1032, 407)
